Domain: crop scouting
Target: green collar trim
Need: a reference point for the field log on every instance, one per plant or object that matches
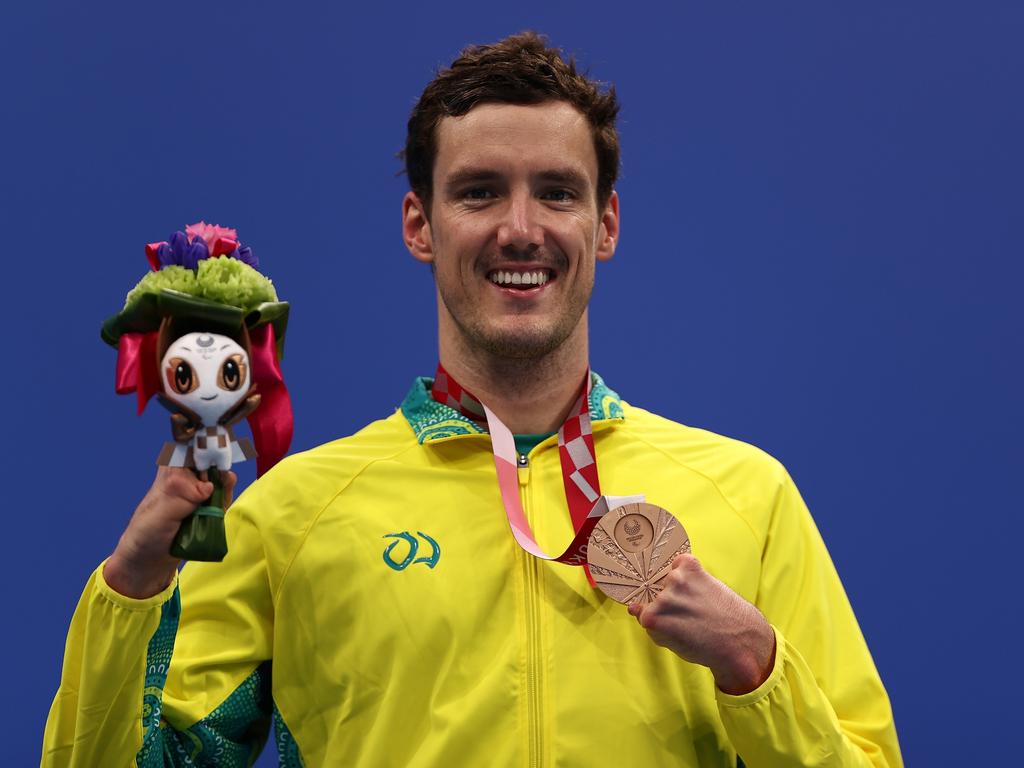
(431, 421)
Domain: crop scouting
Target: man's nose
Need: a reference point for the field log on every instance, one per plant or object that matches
(520, 227)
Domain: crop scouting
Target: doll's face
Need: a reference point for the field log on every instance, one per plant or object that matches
(207, 373)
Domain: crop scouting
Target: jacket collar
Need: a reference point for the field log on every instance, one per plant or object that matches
(432, 421)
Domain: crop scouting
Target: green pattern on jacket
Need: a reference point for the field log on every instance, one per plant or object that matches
(232, 735)
(431, 420)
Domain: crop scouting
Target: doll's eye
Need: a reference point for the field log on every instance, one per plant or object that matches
(231, 373)
(182, 377)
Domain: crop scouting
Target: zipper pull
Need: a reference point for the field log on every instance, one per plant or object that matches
(523, 461)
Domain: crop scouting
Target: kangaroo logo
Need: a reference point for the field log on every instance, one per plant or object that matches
(414, 546)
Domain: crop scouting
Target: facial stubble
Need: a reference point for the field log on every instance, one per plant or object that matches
(525, 342)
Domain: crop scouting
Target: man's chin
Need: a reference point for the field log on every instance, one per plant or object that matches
(519, 345)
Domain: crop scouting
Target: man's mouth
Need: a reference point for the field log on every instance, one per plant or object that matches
(522, 279)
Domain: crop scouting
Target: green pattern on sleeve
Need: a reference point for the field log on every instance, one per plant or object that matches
(158, 658)
(232, 735)
(287, 750)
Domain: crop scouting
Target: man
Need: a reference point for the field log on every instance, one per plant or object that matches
(404, 623)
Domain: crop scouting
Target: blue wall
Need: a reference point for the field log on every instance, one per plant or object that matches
(821, 254)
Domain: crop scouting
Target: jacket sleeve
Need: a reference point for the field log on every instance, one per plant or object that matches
(123, 702)
(823, 703)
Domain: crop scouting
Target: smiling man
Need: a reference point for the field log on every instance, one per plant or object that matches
(513, 223)
(397, 581)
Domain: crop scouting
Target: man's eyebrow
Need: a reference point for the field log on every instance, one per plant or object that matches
(469, 175)
(568, 176)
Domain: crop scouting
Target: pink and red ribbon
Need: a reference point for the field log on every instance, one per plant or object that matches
(579, 469)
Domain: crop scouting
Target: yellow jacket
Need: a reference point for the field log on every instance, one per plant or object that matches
(407, 628)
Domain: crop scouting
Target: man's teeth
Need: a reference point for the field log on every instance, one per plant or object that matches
(519, 278)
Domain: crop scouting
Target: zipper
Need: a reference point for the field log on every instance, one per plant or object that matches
(534, 657)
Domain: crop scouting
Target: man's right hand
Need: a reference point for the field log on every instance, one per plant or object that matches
(141, 565)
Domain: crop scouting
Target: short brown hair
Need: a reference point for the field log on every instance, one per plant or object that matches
(521, 69)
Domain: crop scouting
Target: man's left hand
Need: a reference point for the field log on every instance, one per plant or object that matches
(703, 621)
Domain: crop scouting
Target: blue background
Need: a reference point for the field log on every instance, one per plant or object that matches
(821, 254)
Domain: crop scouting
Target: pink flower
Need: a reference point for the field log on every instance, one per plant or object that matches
(210, 233)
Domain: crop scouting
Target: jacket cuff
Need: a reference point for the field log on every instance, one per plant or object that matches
(104, 590)
(765, 688)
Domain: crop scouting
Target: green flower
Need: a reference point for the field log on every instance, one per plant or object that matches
(223, 280)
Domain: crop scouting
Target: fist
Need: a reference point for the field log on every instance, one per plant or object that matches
(141, 565)
(704, 622)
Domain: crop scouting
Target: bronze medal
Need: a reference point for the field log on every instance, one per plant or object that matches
(631, 550)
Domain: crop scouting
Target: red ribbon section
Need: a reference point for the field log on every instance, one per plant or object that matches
(579, 461)
(271, 423)
(138, 370)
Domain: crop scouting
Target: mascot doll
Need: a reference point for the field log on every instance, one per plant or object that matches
(204, 332)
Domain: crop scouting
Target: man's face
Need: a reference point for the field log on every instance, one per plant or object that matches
(514, 228)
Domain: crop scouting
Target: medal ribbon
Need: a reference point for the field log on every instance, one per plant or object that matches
(579, 468)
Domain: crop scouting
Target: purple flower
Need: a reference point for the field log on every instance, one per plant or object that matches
(187, 249)
(245, 255)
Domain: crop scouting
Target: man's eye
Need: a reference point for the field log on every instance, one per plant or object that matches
(559, 195)
(478, 193)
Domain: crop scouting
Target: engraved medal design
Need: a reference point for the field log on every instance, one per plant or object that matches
(631, 550)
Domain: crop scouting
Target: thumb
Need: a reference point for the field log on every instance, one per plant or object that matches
(203, 490)
(188, 487)
(636, 609)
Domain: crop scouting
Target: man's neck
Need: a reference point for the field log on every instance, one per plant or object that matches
(530, 395)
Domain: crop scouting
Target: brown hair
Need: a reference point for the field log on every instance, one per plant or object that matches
(521, 69)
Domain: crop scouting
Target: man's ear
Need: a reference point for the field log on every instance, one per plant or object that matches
(608, 234)
(416, 229)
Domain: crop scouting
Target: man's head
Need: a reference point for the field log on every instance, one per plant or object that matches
(512, 157)
(521, 69)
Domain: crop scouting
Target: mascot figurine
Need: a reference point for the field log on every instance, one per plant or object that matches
(204, 332)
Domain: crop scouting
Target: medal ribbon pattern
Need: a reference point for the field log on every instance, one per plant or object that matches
(579, 468)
